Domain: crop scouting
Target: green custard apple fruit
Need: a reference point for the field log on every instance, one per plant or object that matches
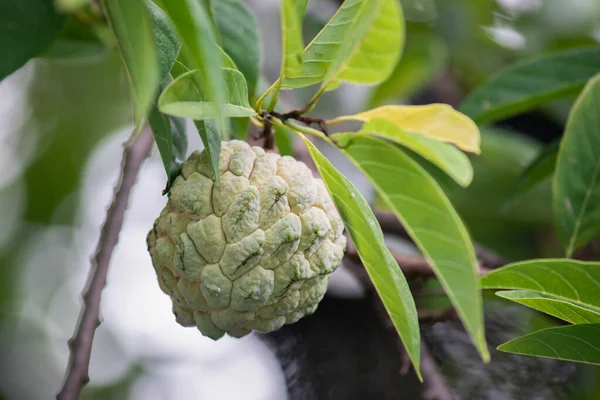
(251, 251)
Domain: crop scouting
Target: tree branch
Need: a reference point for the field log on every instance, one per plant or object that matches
(80, 344)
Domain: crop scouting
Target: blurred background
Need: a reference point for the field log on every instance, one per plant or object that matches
(64, 119)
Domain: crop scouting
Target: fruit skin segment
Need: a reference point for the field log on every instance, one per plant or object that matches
(253, 251)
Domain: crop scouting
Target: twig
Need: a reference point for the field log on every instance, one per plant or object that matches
(80, 344)
(297, 115)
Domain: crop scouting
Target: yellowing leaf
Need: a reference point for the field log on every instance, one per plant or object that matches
(445, 156)
(437, 121)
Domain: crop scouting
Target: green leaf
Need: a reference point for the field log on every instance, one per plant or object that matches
(531, 83)
(447, 157)
(208, 129)
(284, 140)
(292, 14)
(361, 43)
(424, 57)
(569, 280)
(567, 311)
(186, 97)
(431, 221)
(240, 38)
(362, 226)
(370, 59)
(210, 11)
(576, 187)
(541, 168)
(171, 141)
(27, 28)
(579, 343)
(437, 121)
(167, 42)
(195, 28)
(180, 66)
(133, 29)
(209, 133)
(70, 5)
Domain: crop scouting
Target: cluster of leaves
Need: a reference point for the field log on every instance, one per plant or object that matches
(202, 60)
(562, 288)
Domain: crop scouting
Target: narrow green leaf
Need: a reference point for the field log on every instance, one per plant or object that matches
(383, 270)
(240, 38)
(171, 140)
(541, 168)
(195, 28)
(579, 343)
(133, 29)
(208, 129)
(567, 311)
(569, 280)
(576, 188)
(209, 133)
(180, 143)
(531, 83)
(447, 157)
(186, 97)
(27, 28)
(292, 14)
(429, 218)
(361, 43)
(167, 42)
(210, 11)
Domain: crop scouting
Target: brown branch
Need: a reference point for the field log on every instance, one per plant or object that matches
(80, 344)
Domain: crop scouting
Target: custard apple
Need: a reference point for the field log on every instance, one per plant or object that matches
(252, 251)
